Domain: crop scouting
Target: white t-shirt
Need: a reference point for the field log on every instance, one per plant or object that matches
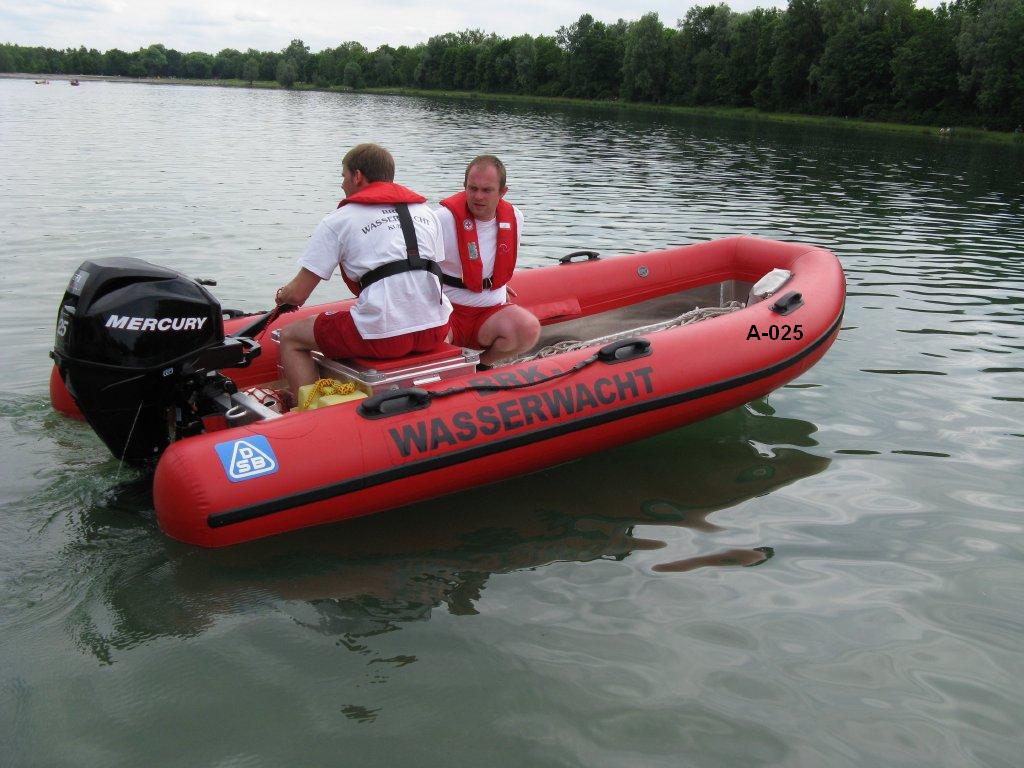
(363, 237)
(487, 236)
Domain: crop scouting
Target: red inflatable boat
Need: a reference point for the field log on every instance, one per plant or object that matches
(631, 346)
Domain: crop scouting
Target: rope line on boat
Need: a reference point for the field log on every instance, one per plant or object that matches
(521, 385)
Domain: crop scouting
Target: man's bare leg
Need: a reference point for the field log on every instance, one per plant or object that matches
(297, 341)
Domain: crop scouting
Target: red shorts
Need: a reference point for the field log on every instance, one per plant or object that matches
(337, 336)
(466, 321)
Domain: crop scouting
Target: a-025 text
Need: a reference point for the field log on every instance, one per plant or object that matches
(776, 333)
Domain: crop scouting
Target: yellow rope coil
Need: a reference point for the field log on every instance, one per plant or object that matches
(327, 387)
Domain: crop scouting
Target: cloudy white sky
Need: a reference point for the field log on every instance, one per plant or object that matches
(210, 25)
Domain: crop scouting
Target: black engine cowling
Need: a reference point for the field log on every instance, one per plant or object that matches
(133, 343)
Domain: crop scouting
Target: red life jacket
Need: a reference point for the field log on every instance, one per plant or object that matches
(378, 193)
(469, 245)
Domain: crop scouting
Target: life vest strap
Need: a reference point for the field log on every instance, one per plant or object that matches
(455, 282)
(397, 268)
(412, 248)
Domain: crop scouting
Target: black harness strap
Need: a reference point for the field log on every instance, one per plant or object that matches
(412, 247)
(397, 268)
(413, 261)
(456, 282)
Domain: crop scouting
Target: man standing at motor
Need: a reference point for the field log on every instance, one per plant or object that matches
(388, 245)
(482, 232)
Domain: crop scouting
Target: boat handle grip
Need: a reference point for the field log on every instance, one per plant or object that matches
(591, 256)
(621, 351)
(394, 402)
(788, 303)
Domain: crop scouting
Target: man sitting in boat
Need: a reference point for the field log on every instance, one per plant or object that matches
(387, 243)
(482, 232)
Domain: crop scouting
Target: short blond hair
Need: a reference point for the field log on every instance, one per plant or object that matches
(375, 162)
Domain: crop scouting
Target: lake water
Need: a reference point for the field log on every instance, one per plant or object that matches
(833, 576)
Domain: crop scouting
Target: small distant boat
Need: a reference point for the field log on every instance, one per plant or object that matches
(74, 82)
(42, 82)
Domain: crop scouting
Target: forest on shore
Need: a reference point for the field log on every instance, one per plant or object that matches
(884, 60)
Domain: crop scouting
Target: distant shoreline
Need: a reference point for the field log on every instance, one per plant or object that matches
(733, 113)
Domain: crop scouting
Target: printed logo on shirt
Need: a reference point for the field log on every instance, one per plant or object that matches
(467, 224)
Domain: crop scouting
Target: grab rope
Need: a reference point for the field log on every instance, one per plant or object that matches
(521, 385)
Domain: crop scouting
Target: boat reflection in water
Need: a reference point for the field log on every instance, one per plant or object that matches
(372, 574)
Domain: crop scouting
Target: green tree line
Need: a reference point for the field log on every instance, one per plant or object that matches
(961, 63)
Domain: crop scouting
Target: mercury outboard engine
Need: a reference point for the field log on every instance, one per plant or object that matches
(137, 345)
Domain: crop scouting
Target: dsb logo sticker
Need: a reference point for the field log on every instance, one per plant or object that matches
(247, 458)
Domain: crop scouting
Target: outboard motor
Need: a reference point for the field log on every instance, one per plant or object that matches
(136, 345)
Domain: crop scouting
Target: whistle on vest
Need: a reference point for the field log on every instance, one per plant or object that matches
(474, 251)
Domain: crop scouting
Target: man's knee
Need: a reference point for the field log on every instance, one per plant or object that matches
(529, 327)
(289, 338)
(523, 328)
(511, 330)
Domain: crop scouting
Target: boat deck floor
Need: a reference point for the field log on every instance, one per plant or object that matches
(642, 314)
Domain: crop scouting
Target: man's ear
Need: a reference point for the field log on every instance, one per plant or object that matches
(503, 191)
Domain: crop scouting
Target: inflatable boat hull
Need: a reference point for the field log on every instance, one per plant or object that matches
(325, 466)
